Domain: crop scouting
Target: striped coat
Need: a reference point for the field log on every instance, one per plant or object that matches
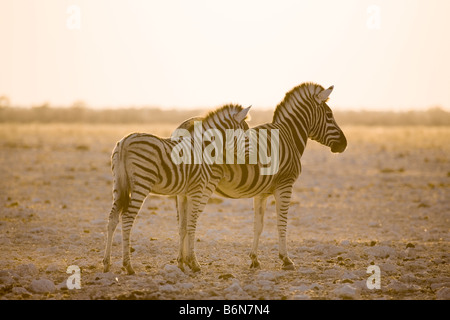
(143, 163)
(302, 114)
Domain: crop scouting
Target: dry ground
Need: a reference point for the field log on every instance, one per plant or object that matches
(385, 201)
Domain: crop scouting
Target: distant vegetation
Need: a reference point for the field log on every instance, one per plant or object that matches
(79, 113)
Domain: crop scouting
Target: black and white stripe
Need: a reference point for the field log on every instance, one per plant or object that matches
(302, 114)
(142, 164)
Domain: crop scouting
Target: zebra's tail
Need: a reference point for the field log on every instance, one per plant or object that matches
(121, 190)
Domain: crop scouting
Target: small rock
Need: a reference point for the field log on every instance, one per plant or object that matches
(172, 268)
(27, 270)
(408, 278)
(315, 286)
(345, 243)
(415, 265)
(20, 291)
(301, 288)
(360, 285)
(6, 278)
(439, 285)
(443, 294)
(42, 286)
(168, 288)
(332, 273)
(346, 291)
(410, 245)
(52, 268)
(399, 287)
(251, 288)
(172, 272)
(226, 276)
(381, 251)
(62, 285)
(234, 288)
(411, 253)
(438, 261)
(187, 285)
(306, 271)
(266, 275)
(265, 283)
(388, 267)
(349, 275)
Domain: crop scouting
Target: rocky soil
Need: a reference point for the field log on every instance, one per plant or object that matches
(384, 202)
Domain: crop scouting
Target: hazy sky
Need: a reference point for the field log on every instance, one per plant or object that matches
(206, 53)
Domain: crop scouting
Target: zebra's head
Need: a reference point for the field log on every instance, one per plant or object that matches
(324, 128)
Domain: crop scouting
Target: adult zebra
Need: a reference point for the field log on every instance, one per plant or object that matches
(302, 114)
(143, 163)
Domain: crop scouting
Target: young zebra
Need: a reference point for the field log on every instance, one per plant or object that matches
(142, 164)
(301, 115)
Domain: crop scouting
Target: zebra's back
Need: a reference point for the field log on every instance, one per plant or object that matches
(247, 181)
(148, 164)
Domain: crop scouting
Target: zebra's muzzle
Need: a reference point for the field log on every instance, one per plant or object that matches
(339, 146)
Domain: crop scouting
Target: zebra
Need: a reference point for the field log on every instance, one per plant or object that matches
(302, 114)
(142, 163)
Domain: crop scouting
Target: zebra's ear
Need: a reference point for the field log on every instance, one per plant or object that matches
(323, 96)
(241, 115)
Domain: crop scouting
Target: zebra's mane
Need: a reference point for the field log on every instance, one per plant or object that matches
(302, 90)
(228, 109)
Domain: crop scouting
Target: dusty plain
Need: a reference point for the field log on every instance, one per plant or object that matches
(385, 201)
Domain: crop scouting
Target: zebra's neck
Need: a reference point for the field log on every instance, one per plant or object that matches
(296, 120)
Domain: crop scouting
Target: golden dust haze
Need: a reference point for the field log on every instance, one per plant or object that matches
(190, 54)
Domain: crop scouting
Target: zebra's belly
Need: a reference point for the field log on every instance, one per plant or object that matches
(171, 189)
(227, 192)
(244, 181)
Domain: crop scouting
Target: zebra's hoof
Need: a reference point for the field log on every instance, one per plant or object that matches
(106, 267)
(288, 267)
(287, 263)
(129, 269)
(192, 263)
(195, 268)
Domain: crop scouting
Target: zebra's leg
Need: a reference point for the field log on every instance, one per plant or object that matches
(196, 202)
(128, 217)
(112, 225)
(259, 204)
(283, 199)
(191, 212)
(181, 214)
